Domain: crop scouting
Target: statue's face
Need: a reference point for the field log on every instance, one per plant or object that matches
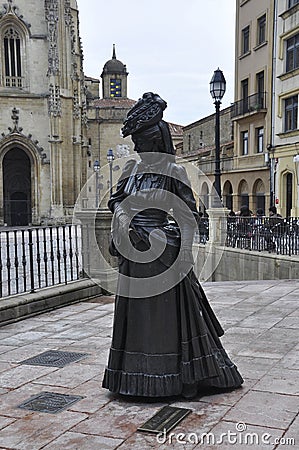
(149, 140)
(143, 145)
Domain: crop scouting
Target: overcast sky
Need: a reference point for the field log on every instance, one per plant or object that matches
(170, 47)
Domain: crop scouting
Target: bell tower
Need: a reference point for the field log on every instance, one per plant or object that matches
(114, 78)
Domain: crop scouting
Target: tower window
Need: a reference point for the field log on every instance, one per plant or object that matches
(115, 88)
(12, 58)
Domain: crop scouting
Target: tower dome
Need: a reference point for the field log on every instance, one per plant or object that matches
(114, 66)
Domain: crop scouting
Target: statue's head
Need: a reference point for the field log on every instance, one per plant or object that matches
(144, 123)
(148, 111)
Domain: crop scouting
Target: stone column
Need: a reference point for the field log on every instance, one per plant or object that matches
(98, 264)
(217, 225)
(215, 245)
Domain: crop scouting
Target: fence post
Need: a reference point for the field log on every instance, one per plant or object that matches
(31, 264)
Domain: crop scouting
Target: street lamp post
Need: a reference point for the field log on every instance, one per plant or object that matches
(96, 168)
(217, 90)
(110, 158)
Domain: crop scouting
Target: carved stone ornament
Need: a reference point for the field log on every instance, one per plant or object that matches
(54, 101)
(8, 8)
(52, 17)
(76, 104)
(15, 134)
(67, 12)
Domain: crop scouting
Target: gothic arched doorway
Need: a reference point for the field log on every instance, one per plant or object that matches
(17, 188)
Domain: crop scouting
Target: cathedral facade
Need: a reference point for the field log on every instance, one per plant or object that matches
(56, 128)
(43, 122)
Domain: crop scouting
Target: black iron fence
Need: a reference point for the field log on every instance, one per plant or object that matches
(271, 234)
(38, 257)
(264, 234)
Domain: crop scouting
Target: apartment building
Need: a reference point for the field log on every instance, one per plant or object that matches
(285, 133)
(259, 136)
(251, 112)
(245, 128)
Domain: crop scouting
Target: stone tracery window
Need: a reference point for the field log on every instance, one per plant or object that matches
(12, 58)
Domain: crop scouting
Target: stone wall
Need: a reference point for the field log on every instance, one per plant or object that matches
(234, 264)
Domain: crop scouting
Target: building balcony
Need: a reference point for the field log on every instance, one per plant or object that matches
(251, 104)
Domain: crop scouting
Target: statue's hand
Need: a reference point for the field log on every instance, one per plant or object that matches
(121, 221)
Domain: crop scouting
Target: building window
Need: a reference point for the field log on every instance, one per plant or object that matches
(293, 3)
(292, 59)
(115, 88)
(189, 142)
(261, 30)
(291, 113)
(244, 138)
(260, 140)
(245, 40)
(12, 58)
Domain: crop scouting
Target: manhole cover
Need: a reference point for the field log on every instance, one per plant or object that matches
(50, 402)
(54, 358)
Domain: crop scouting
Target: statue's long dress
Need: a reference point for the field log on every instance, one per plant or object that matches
(168, 340)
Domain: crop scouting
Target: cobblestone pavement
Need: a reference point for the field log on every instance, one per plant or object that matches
(261, 320)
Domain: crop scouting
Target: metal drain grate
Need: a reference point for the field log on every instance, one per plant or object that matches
(54, 358)
(49, 402)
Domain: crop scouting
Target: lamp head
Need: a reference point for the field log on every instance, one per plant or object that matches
(96, 166)
(110, 155)
(217, 85)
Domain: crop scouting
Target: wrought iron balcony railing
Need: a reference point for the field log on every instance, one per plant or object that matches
(252, 103)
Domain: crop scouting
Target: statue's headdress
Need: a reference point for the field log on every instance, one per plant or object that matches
(145, 118)
(148, 111)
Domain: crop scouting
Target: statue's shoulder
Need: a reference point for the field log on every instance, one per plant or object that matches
(178, 172)
(128, 168)
(178, 169)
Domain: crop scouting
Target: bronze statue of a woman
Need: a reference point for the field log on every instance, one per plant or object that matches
(165, 334)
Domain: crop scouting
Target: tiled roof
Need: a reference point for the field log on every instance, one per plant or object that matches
(113, 103)
(175, 129)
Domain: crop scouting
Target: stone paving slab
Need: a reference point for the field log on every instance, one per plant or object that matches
(261, 320)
